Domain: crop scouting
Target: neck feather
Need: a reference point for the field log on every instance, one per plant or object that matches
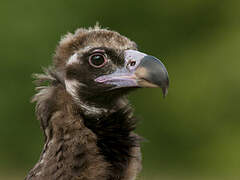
(75, 144)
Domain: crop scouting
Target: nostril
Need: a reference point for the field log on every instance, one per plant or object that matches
(132, 63)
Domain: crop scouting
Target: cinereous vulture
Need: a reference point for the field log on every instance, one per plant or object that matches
(83, 110)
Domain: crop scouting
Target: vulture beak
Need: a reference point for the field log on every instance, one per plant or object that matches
(140, 70)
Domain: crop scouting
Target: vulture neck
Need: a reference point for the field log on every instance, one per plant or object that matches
(114, 133)
(76, 145)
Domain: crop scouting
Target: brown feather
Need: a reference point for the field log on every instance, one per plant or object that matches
(78, 146)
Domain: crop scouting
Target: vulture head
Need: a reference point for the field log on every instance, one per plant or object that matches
(100, 66)
(83, 110)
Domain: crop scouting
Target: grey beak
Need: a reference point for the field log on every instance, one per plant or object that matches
(152, 72)
(146, 71)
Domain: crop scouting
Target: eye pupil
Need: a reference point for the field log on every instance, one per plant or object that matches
(97, 60)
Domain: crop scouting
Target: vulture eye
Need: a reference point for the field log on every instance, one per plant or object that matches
(97, 60)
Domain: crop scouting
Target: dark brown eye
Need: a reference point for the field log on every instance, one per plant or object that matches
(97, 60)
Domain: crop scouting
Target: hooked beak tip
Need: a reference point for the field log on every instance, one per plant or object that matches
(153, 71)
(164, 91)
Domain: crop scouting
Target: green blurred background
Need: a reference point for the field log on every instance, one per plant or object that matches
(192, 134)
